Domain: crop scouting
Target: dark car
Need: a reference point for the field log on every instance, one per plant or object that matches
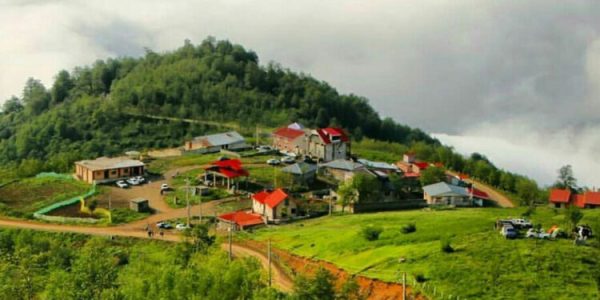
(509, 232)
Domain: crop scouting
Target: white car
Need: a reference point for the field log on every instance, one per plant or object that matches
(133, 181)
(537, 234)
(521, 223)
(181, 226)
(122, 184)
(164, 187)
(273, 162)
(140, 179)
(288, 160)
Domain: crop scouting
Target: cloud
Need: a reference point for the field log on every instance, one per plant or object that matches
(445, 66)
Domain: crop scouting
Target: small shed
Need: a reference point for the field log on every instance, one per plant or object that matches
(139, 205)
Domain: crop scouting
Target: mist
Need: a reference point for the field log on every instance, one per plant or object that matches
(518, 81)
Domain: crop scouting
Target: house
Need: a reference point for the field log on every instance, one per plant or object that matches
(560, 197)
(107, 169)
(442, 193)
(379, 166)
(342, 169)
(139, 205)
(229, 170)
(239, 220)
(565, 198)
(274, 206)
(328, 144)
(290, 139)
(410, 166)
(303, 173)
(215, 142)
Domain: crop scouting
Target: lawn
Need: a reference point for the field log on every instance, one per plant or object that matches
(23, 197)
(178, 185)
(483, 265)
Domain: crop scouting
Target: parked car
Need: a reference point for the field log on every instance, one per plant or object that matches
(164, 225)
(521, 223)
(509, 232)
(537, 234)
(273, 162)
(133, 181)
(181, 226)
(122, 184)
(140, 179)
(288, 160)
(264, 148)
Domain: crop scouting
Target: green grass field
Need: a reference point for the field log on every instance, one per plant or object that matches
(483, 266)
(26, 196)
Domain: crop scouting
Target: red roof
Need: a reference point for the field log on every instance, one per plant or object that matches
(463, 176)
(230, 168)
(242, 219)
(421, 165)
(325, 133)
(271, 199)
(560, 196)
(479, 193)
(579, 200)
(592, 198)
(288, 133)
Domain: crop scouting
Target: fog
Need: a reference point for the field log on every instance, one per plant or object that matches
(516, 80)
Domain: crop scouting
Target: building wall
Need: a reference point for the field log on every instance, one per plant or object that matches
(90, 176)
(271, 214)
(297, 145)
(447, 200)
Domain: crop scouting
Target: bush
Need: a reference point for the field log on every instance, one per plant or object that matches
(420, 278)
(446, 246)
(371, 233)
(409, 228)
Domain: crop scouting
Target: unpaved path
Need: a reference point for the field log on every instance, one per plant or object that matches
(495, 196)
(278, 277)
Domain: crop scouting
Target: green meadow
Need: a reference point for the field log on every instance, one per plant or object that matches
(483, 265)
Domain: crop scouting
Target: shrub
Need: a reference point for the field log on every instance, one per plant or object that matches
(446, 246)
(409, 228)
(371, 233)
(420, 278)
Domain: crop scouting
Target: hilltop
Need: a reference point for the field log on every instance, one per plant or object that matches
(141, 103)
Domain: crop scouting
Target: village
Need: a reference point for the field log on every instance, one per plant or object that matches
(302, 173)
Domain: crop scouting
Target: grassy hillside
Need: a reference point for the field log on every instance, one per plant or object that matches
(483, 266)
(23, 197)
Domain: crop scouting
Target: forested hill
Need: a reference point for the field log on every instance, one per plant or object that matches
(98, 110)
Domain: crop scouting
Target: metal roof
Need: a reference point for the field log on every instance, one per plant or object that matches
(445, 189)
(300, 168)
(220, 139)
(343, 164)
(105, 163)
(378, 165)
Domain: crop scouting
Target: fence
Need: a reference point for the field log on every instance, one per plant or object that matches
(41, 214)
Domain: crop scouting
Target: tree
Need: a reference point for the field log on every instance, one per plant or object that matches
(35, 97)
(527, 191)
(320, 287)
(92, 205)
(566, 180)
(572, 216)
(347, 193)
(432, 175)
(367, 186)
(12, 105)
(62, 87)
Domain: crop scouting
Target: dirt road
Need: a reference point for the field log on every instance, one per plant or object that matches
(495, 196)
(279, 278)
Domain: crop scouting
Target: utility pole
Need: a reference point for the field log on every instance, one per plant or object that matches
(200, 197)
(230, 229)
(404, 286)
(269, 256)
(110, 201)
(187, 199)
(330, 205)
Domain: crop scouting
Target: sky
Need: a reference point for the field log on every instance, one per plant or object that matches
(518, 81)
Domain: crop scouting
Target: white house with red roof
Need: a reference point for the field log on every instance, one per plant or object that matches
(410, 166)
(327, 144)
(290, 139)
(274, 206)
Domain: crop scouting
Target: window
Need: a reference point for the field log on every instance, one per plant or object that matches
(287, 202)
